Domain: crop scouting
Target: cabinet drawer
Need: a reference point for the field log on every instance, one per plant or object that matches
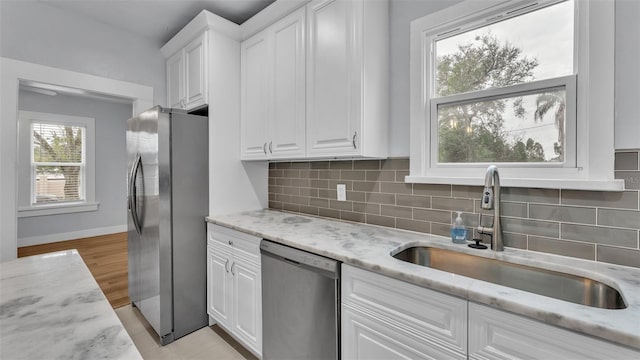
(440, 318)
(366, 337)
(248, 244)
(496, 334)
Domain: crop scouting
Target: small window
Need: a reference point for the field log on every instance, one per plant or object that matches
(507, 82)
(60, 160)
(58, 163)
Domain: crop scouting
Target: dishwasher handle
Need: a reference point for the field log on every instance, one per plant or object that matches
(320, 264)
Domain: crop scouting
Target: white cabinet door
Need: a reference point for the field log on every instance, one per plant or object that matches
(495, 334)
(195, 62)
(247, 309)
(386, 316)
(287, 120)
(175, 80)
(218, 286)
(255, 97)
(334, 77)
(364, 337)
(234, 284)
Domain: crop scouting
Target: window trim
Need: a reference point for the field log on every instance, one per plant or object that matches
(27, 207)
(594, 59)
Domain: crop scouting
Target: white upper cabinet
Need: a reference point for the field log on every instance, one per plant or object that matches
(175, 83)
(347, 78)
(195, 61)
(273, 98)
(254, 123)
(315, 83)
(288, 87)
(187, 75)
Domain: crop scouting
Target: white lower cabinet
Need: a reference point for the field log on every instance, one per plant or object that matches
(496, 334)
(218, 285)
(384, 318)
(234, 284)
(247, 302)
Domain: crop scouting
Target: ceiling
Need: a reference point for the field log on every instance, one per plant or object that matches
(158, 20)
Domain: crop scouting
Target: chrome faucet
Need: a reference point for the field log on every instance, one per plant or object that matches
(491, 200)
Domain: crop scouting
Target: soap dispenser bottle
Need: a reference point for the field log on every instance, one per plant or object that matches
(458, 231)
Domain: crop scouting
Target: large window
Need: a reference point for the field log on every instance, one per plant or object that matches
(58, 151)
(507, 82)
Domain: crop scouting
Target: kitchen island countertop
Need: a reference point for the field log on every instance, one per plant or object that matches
(52, 308)
(370, 247)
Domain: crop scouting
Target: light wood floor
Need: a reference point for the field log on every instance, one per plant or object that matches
(106, 258)
(207, 343)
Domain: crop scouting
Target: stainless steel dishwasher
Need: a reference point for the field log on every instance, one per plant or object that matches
(300, 304)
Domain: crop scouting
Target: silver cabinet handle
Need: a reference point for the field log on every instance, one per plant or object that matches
(226, 266)
(264, 148)
(355, 133)
(270, 147)
(232, 265)
(230, 243)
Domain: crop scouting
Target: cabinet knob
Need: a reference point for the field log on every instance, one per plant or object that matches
(355, 133)
(230, 243)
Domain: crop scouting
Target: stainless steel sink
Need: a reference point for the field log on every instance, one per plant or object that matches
(576, 289)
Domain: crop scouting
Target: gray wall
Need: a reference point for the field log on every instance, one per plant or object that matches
(111, 164)
(39, 33)
(402, 12)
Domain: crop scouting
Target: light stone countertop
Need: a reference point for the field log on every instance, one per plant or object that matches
(369, 247)
(52, 308)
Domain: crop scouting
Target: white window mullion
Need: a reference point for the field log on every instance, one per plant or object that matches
(515, 90)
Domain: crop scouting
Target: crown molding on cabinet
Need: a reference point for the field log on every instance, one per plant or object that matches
(268, 16)
(205, 20)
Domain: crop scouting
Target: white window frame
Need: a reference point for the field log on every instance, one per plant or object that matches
(27, 206)
(589, 150)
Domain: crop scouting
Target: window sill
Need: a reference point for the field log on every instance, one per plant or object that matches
(592, 185)
(56, 209)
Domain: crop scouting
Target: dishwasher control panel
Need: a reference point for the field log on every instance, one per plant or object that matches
(298, 256)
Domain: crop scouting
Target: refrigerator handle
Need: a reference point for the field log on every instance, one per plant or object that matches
(133, 201)
(130, 185)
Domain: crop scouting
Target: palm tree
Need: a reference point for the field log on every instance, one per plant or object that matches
(62, 149)
(546, 102)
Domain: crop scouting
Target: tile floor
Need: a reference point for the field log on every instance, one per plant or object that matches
(206, 343)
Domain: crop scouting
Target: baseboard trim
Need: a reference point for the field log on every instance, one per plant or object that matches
(72, 235)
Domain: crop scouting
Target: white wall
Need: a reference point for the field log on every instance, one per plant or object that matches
(402, 12)
(35, 32)
(111, 163)
(627, 74)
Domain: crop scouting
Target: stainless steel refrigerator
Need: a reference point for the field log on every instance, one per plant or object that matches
(167, 202)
